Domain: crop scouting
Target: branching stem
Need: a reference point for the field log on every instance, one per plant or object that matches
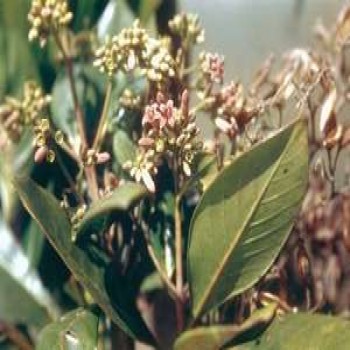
(90, 171)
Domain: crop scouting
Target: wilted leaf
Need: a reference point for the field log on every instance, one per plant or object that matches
(245, 216)
(95, 276)
(215, 337)
(302, 331)
(23, 298)
(76, 330)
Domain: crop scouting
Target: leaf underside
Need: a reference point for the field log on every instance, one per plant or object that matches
(245, 216)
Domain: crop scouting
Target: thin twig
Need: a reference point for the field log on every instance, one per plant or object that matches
(69, 179)
(16, 337)
(179, 306)
(90, 171)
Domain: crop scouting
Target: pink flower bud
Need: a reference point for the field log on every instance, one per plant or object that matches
(40, 154)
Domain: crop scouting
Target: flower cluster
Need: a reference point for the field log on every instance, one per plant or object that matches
(129, 100)
(124, 51)
(188, 28)
(162, 66)
(212, 67)
(46, 16)
(10, 117)
(233, 109)
(15, 114)
(168, 133)
(42, 141)
(133, 48)
(75, 219)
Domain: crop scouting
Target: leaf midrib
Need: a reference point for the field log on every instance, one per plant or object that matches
(221, 267)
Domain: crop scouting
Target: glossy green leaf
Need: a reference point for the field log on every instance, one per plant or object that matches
(215, 337)
(23, 298)
(302, 331)
(76, 330)
(245, 216)
(95, 276)
(121, 199)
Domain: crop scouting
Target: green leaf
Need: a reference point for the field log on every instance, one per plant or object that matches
(121, 199)
(76, 330)
(90, 86)
(147, 14)
(206, 170)
(23, 298)
(302, 331)
(215, 337)
(123, 147)
(151, 283)
(17, 61)
(86, 13)
(18, 159)
(33, 243)
(94, 276)
(245, 216)
(147, 9)
(116, 16)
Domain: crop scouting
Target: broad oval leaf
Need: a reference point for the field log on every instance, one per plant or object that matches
(23, 298)
(54, 222)
(245, 216)
(76, 330)
(215, 337)
(122, 198)
(302, 331)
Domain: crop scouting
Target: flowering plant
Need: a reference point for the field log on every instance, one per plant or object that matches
(147, 215)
